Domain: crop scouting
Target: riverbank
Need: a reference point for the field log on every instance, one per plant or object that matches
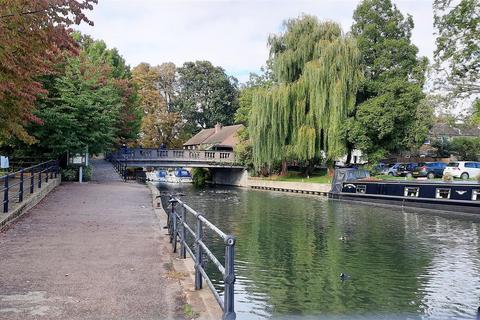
(90, 251)
(289, 186)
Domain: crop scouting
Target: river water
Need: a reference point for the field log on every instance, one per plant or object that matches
(291, 250)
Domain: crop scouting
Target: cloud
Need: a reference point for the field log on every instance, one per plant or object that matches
(231, 34)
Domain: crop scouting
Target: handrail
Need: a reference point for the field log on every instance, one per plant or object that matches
(50, 169)
(178, 227)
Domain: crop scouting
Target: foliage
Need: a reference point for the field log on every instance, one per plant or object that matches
(207, 95)
(474, 117)
(247, 92)
(467, 148)
(71, 173)
(317, 71)
(389, 115)
(199, 177)
(34, 36)
(156, 90)
(443, 146)
(243, 150)
(91, 104)
(458, 44)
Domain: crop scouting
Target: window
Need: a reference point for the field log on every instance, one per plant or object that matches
(476, 195)
(411, 191)
(470, 165)
(361, 188)
(442, 193)
(453, 164)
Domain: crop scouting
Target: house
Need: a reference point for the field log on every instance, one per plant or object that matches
(217, 138)
(445, 132)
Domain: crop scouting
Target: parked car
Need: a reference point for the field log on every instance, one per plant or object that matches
(429, 169)
(463, 169)
(392, 171)
(406, 169)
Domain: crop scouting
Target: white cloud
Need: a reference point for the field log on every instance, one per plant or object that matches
(231, 34)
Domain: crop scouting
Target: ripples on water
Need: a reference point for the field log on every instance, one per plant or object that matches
(291, 250)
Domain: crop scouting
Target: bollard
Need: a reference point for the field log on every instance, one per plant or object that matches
(229, 280)
(198, 254)
(183, 248)
(20, 190)
(5, 194)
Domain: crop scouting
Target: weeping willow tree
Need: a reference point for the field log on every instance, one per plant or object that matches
(317, 72)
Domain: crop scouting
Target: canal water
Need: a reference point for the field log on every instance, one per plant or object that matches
(291, 250)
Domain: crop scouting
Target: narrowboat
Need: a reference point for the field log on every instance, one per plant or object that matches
(451, 196)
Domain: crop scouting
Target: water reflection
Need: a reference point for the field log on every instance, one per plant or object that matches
(291, 250)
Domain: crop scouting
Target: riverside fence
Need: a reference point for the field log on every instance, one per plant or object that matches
(178, 228)
(15, 185)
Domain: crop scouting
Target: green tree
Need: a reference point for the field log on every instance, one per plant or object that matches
(458, 44)
(467, 148)
(91, 104)
(32, 37)
(207, 95)
(389, 115)
(316, 70)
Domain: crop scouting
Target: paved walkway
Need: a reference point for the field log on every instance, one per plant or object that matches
(88, 251)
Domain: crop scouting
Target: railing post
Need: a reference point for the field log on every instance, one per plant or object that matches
(174, 229)
(183, 248)
(40, 177)
(47, 166)
(198, 254)
(32, 179)
(229, 280)
(5, 194)
(20, 190)
(56, 169)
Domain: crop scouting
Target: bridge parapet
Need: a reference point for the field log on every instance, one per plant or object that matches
(175, 155)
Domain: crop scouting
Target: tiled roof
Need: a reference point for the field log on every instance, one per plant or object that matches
(200, 137)
(224, 136)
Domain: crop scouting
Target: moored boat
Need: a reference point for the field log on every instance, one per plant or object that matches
(179, 176)
(452, 196)
(156, 176)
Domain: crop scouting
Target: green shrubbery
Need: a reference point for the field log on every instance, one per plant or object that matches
(199, 177)
(70, 173)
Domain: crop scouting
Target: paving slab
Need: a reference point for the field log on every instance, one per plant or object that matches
(88, 251)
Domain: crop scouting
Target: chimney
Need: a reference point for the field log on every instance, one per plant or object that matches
(218, 127)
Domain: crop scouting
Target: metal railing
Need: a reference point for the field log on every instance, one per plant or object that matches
(14, 183)
(178, 228)
(174, 154)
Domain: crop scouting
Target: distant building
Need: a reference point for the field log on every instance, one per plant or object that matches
(445, 132)
(217, 138)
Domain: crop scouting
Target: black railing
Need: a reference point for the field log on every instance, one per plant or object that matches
(120, 167)
(178, 228)
(14, 183)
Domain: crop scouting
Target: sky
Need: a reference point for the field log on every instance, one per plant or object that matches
(230, 34)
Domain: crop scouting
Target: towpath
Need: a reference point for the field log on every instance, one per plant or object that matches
(88, 251)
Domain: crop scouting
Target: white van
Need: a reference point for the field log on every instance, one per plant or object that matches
(463, 169)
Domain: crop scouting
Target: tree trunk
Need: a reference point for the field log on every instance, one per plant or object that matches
(349, 154)
(284, 168)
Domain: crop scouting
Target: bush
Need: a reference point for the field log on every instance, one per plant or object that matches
(199, 177)
(70, 173)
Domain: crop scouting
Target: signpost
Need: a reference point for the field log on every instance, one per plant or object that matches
(79, 160)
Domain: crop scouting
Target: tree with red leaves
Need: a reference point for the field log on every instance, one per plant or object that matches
(34, 35)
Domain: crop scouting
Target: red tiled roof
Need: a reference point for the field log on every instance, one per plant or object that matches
(225, 136)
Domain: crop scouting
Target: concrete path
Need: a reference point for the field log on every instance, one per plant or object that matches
(88, 251)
